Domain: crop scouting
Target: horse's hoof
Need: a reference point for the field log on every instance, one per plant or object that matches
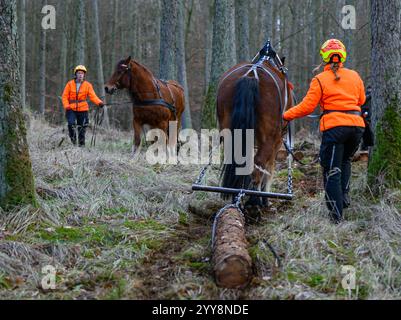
(135, 153)
(265, 202)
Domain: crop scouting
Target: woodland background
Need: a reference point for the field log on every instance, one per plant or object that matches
(179, 33)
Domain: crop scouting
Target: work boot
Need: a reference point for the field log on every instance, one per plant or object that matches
(346, 201)
(73, 135)
(335, 218)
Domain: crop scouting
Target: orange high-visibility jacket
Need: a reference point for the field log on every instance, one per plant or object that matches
(346, 94)
(77, 100)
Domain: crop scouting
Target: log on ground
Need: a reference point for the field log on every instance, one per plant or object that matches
(232, 264)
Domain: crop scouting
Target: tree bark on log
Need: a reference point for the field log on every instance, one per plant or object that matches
(232, 264)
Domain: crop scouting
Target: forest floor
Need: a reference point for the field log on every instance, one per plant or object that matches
(114, 228)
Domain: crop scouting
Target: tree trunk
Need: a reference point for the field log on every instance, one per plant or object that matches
(267, 21)
(348, 40)
(100, 76)
(385, 161)
(113, 56)
(242, 26)
(168, 29)
(16, 179)
(223, 56)
(181, 64)
(63, 58)
(232, 265)
(42, 68)
(133, 35)
(275, 33)
(80, 33)
(22, 47)
(209, 44)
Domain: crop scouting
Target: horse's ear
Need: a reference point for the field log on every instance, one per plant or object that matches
(128, 60)
(283, 60)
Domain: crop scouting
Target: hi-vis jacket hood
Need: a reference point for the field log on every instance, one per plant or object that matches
(346, 94)
(77, 100)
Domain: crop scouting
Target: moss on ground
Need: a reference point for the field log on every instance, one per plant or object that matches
(95, 235)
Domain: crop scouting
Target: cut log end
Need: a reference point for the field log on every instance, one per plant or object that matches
(234, 272)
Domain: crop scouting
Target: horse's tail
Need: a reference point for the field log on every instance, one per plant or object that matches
(243, 117)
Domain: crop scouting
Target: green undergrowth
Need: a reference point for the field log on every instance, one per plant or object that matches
(117, 228)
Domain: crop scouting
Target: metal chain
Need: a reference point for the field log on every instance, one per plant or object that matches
(202, 173)
(289, 181)
(235, 205)
(289, 143)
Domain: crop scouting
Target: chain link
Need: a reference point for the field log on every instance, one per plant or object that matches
(290, 157)
(235, 205)
(202, 173)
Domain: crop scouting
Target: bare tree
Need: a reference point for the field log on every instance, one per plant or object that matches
(242, 27)
(167, 39)
(63, 55)
(42, 68)
(209, 42)
(16, 179)
(181, 63)
(223, 57)
(22, 46)
(80, 35)
(385, 164)
(100, 76)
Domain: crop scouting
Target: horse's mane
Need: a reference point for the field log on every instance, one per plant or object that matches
(136, 63)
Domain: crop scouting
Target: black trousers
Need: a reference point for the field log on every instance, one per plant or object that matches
(78, 120)
(338, 146)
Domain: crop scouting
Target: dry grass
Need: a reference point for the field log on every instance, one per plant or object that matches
(115, 228)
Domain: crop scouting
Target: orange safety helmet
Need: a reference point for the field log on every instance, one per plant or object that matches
(332, 47)
(80, 68)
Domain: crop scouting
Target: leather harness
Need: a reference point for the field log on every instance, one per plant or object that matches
(161, 101)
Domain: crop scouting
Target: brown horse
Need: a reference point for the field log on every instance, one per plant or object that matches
(155, 102)
(254, 96)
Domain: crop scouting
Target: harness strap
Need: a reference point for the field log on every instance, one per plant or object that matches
(76, 101)
(169, 90)
(159, 102)
(254, 68)
(157, 87)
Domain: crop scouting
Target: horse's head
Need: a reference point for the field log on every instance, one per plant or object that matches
(121, 78)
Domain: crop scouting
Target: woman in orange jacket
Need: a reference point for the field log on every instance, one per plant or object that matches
(340, 93)
(74, 98)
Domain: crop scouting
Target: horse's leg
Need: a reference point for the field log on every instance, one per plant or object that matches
(268, 179)
(137, 136)
(259, 174)
(265, 164)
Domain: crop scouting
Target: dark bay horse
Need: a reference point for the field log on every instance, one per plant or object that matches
(155, 102)
(254, 96)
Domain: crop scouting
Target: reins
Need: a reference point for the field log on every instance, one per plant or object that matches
(98, 120)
